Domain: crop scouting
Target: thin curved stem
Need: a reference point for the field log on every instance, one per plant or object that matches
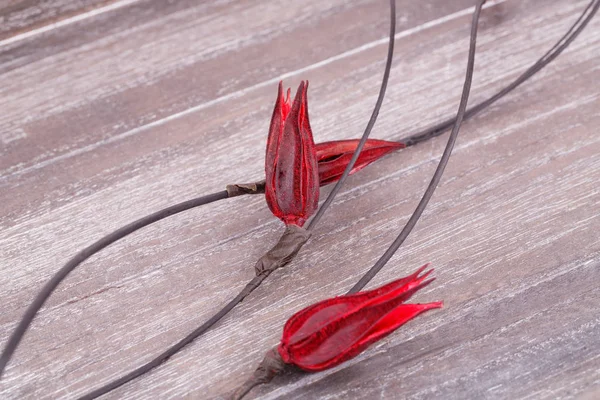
(554, 52)
(370, 124)
(437, 176)
(546, 59)
(246, 387)
(165, 355)
(83, 255)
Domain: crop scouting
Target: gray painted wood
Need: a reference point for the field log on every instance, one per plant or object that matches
(126, 111)
(21, 17)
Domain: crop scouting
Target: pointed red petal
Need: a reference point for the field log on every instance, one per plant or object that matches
(355, 323)
(295, 179)
(314, 317)
(332, 149)
(310, 168)
(287, 104)
(278, 118)
(331, 331)
(394, 319)
(402, 293)
(334, 156)
(386, 325)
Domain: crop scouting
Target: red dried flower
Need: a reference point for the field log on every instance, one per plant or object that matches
(335, 330)
(333, 157)
(291, 170)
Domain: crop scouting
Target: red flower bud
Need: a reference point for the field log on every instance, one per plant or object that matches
(335, 330)
(291, 169)
(333, 157)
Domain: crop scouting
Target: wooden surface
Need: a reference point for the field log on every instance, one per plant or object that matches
(112, 110)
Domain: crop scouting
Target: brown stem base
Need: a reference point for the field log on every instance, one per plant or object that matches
(269, 367)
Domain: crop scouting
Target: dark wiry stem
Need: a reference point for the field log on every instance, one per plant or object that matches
(288, 245)
(271, 366)
(370, 124)
(437, 176)
(546, 59)
(86, 253)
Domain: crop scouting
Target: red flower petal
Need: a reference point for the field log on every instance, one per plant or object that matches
(324, 342)
(321, 359)
(280, 113)
(334, 156)
(314, 317)
(291, 169)
(394, 319)
(332, 331)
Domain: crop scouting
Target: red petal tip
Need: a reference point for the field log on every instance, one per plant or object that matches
(435, 304)
(427, 282)
(426, 274)
(291, 167)
(418, 274)
(421, 269)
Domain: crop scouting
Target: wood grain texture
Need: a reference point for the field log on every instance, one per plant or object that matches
(20, 17)
(123, 113)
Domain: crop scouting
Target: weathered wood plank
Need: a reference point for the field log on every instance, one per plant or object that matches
(189, 59)
(511, 230)
(21, 17)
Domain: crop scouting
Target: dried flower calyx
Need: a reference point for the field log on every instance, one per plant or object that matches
(292, 160)
(335, 330)
(291, 170)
